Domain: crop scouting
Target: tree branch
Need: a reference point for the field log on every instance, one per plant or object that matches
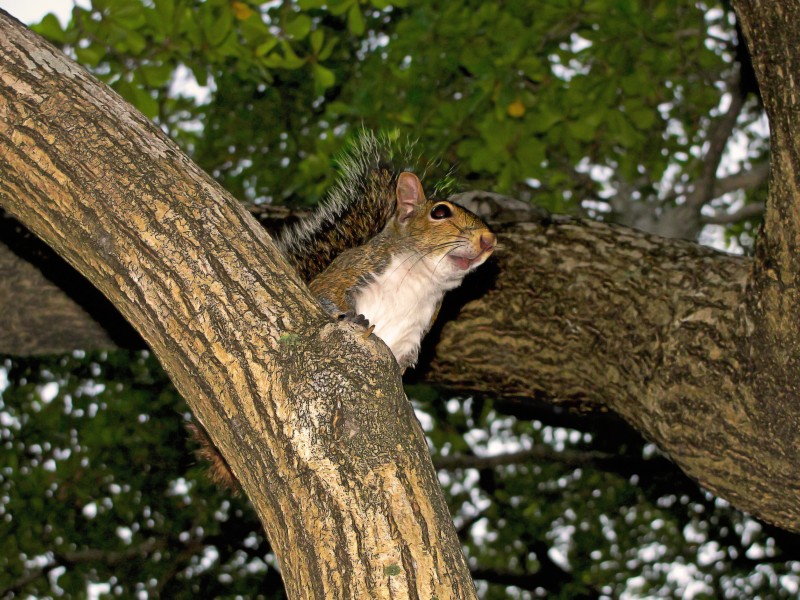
(48, 307)
(748, 211)
(696, 349)
(110, 558)
(746, 180)
(650, 328)
(310, 415)
(772, 310)
(718, 136)
(538, 453)
(684, 220)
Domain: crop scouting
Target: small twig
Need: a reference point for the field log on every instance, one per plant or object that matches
(110, 557)
(537, 453)
(748, 211)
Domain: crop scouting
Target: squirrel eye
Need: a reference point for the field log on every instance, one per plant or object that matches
(441, 211)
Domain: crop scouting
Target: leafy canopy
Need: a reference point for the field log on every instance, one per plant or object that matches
(567, 102)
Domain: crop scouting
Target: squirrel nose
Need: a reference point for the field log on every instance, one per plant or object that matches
(488, 240)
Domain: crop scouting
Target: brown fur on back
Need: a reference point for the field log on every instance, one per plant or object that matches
(218, 469)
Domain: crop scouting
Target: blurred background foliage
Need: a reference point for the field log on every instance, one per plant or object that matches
(100, 495)
(620, 110)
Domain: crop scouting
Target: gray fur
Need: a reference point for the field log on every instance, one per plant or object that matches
(358, 207)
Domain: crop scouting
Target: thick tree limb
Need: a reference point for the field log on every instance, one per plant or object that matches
(772, 29)
(656, 330)
(311, 417)
(607, 317)
(48, 307)
(599, 316)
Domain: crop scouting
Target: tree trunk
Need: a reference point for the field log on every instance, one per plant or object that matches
(311, 416)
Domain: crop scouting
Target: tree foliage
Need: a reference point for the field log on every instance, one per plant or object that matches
(606, 108)
(101, 486)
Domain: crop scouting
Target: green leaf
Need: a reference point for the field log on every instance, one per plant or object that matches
(339, 7)
(323, 78)
(543, 119)
(330, 44)
(582, 129)
(217, 26)
(317, 39)
(621, 130)
(290, 59)
(339, 108)
(165, 9)
(478, 155)
(531, 152)
(130, 15)
(128, 40)
(644, 118)
(507, 176)
(355, 20)
(90, 56)
(534, 67)
(50, 28)
(266, 47)
(200, 74)
(156, 75)
(299, 27)
(274, 61)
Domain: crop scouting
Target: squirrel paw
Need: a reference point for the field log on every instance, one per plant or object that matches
(352, 317)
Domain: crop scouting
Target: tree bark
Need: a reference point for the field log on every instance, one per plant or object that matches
(773, 304)
(310, 415)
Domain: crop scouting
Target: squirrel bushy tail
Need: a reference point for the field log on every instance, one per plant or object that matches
(357, 208)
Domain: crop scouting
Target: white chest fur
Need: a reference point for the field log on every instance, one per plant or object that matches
(400, 303)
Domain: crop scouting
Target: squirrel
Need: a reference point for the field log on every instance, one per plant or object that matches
(396, 281)
(379, 253)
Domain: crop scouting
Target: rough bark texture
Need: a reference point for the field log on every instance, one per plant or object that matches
(773, 32)
(652, 329)
(331, 457)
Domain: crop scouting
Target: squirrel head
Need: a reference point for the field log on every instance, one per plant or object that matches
(453, 240)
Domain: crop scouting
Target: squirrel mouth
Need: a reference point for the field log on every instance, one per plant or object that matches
(464, 263)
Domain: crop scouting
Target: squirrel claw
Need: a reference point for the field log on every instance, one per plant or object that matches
(352, 317)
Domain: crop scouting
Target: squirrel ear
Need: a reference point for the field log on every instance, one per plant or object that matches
(409, 194)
